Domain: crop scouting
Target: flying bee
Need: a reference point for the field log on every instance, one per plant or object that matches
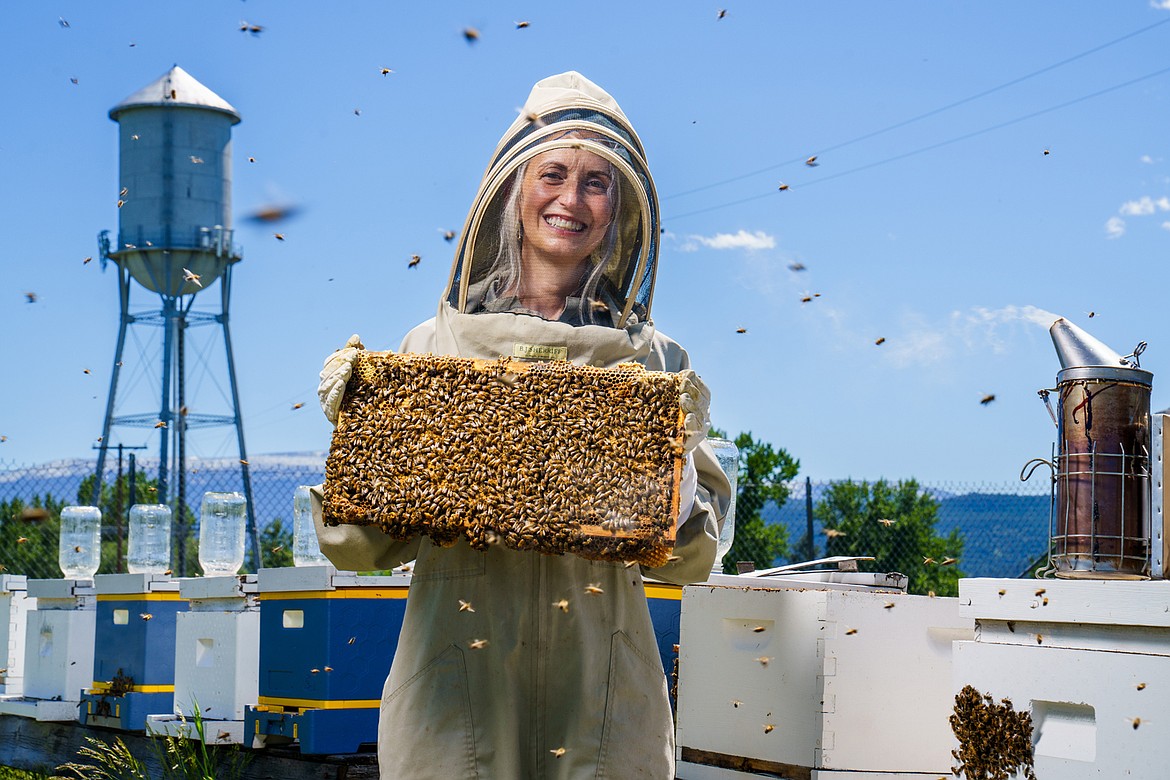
(195, 160)
(886, 521)
(314, 671)
(1039, 639)
(145, 615)
(805, 298)
(86, 371)
(31, 297)
(1141, 686)
(673, 558)
(851, 632)
(759, 629)
(470, 34)
(783, 187)
(926, 560)
(125, 191)
(562, 605)
(741, 330)
(593, 589)
(465, 606)
(251, 159)
(722, 12)
(191, 276)
(985, 400)
(448, 235)
(386, 71)
(811, 162)
(521, 25)
(768, 727)
(414, 260)
(243, 462)
(160, 424)
(278, 236)
(87, 261)
(1041, 591)
(77, 548)
(948, 561)
(558, 752)
(1003, 591)
(223, 735)
(477, 644)
(833, 533)
(297, 406)
(796, 267)
(888, 605)
(880, 340)
(763, 660)
(21, 539)
(277, 548)
(328, 669)
(352, 639)
(1137, 722)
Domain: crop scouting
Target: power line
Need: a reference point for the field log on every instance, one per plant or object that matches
(940, 144)
(919, 117)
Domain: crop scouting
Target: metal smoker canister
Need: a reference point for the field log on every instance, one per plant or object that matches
(1101, 527)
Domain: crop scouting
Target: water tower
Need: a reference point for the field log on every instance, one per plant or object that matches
(175, 240)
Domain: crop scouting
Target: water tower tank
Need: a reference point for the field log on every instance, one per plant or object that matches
(175, 176)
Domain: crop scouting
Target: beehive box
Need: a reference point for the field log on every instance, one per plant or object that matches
(551, 457)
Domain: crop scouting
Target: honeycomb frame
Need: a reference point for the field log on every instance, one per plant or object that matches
(545, 456)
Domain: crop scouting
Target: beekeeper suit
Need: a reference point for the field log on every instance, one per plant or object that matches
(538, 678)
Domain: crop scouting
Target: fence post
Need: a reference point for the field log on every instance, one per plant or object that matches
(810, 548)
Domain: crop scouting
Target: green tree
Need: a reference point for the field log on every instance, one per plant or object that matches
(276, 544)
(28, 537)
(764, 473)
(895, 523)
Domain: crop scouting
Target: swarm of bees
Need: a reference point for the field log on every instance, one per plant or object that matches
(995, 741)
(546, 456)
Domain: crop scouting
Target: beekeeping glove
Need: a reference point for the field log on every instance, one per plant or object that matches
(335, 373)
(686, 490)
(695, 400)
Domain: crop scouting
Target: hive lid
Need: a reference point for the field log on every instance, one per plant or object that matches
(176, 87)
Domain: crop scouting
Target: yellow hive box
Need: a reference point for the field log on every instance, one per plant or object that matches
(551, 457)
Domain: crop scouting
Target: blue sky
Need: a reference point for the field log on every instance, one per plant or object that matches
(934, 218)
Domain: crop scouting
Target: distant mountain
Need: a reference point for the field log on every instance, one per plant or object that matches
(274, 479)
(1003, 532)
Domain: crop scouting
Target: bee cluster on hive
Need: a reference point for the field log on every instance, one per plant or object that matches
(550, 456)
(995, 741)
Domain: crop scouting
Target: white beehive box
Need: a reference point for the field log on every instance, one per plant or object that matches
(1087, 658)
(14, 607)
(217, 657)
(851, 685)
(59, 645)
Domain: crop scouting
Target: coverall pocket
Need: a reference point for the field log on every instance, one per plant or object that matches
(451, 563)
(637, 740)
(425, 728)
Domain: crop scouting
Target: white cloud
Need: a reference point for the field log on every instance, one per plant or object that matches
(1145, 205)
(741, 240)
(1115, 227)
(1138, 208)
(1162, 4)
(1166, 225)
(1145, 158)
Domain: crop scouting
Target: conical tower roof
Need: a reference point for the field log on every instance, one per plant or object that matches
(176, 87)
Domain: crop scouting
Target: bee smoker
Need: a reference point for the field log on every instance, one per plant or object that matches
(1100, 525)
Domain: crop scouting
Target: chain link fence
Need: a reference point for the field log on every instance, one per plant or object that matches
(979, 530)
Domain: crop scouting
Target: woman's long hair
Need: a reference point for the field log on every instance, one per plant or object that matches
(507, 268)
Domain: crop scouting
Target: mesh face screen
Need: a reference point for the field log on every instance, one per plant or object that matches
(564, 227)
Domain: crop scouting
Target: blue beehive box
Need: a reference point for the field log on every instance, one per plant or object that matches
(327, 640)
(134, 650)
